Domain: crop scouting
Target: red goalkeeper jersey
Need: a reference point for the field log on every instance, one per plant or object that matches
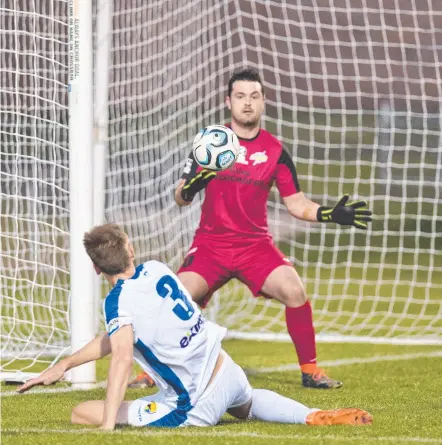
(235, 205)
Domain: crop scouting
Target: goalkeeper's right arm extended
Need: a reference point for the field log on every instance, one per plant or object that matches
(187, 189)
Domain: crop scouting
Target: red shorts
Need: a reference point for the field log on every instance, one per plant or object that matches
(250, 262)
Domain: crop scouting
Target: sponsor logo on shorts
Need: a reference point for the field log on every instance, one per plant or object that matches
(199, 326)
(188, 260)
(189, 257)
(193, 250)
(150, 408)
(113, 325)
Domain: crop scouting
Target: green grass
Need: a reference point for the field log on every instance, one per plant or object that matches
(403, 396)
(334, 154)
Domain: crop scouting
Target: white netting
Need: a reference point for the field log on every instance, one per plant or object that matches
(34, 182)
(353, 90)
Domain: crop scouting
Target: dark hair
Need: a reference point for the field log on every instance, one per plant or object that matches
(106, 247)
(248, 74)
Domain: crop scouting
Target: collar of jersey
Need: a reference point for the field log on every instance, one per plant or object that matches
(251, 139)
(229, 125)
(138, 270)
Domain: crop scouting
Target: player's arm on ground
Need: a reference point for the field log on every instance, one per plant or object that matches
(119, 372)
(192, 181)
(99, 347)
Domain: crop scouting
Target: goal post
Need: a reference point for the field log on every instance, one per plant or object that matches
(81, 183)
(102, 46)
(46, 102)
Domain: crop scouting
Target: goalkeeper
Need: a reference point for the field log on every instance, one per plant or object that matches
(233, 240)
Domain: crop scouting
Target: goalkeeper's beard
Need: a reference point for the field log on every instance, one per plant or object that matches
(248, 123)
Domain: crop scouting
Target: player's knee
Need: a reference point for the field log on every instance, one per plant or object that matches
(295, 297)
(76, 417)
(84, 414)
(195, 285)
(241, 412)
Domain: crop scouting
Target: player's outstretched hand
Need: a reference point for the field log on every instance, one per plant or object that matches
(51, 375)
(195, 184)
(354, 213)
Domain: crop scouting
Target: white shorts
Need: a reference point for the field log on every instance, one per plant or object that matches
(229, 389)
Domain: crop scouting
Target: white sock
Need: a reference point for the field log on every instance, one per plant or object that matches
(272, 407)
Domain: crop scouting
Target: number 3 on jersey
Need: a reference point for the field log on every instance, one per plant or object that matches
(168, 287)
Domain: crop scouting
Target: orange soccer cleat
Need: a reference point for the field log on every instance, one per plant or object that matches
(341, 416)
(142, 380)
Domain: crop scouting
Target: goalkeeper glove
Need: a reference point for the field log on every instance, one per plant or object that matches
(346, 213)
(195, 184)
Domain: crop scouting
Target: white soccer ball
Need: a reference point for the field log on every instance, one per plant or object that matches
(216, 147)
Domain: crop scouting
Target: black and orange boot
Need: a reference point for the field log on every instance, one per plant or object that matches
(314, 377)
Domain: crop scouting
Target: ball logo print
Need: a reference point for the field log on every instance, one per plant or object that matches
(216, 148)
(226, 159)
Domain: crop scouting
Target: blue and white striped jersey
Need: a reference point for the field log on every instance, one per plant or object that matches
(172, 340)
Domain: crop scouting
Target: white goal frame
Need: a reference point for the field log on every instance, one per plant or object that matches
(82, 313)
(82, 304)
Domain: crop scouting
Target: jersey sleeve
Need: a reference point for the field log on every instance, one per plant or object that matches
(286, 177)
(190, 167)
(116, 313)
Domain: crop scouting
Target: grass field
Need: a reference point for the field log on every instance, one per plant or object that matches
(393, 287)
(399, 385)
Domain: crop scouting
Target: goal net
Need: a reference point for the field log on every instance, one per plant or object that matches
(34, 181)
(353, 90)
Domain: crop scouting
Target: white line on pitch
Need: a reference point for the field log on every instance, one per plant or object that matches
(51, 390)
(350, 361)
(227, 434)
(281, 368)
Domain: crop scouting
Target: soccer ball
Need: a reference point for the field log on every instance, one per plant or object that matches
(216, 147)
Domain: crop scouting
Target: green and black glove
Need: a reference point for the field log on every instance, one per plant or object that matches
(195, 184)
(352, 213)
